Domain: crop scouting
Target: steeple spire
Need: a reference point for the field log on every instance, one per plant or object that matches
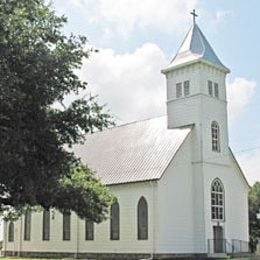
(194, 48)
(193, 13)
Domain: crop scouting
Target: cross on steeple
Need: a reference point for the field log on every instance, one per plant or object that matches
(193, 13)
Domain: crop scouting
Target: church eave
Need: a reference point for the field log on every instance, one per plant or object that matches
(133, 182)
(199, 60)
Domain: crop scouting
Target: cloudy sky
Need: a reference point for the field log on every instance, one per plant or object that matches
(136, 39)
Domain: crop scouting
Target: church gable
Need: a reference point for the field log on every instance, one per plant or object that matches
(134, 152)
(175, 203)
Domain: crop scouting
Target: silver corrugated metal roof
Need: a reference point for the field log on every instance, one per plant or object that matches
(133, 152)
(195, 47)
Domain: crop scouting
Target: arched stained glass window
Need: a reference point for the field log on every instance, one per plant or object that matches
(11, 232)
(215, 136)
(142, 219)
(217, 200)
(27, 225)
(89, 230)
(115, 222)
(46, 225)
(66, 225)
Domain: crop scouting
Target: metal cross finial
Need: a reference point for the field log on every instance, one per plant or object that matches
(193, 13)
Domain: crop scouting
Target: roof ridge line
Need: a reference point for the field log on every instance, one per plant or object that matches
(126, 124)
(138, 121)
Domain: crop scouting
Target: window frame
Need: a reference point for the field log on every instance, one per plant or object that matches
(142, 219)
(179, 90)
(217, 200)
(186, 88)
(46, 219)
(210, 88)
(115, 221)
(66, 226)
(89, 230)
(215, 136)
(11, 232)
(27, 225)
(216, 90)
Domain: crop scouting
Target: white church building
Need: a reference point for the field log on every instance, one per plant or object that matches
(180, 190)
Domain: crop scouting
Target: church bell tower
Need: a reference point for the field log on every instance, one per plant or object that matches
(196, 92)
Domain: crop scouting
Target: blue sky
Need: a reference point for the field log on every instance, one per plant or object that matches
(138, 38)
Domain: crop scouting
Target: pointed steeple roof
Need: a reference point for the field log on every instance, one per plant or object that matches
(195, 47)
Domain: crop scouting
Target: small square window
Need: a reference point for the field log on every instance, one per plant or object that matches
(186, 88)
(210, 90)
(178, 90)
(216, 90)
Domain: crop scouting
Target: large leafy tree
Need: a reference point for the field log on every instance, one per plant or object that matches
(254, 209)
(37, 70)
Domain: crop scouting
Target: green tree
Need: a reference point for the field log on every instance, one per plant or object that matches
(254, 209)
(37, 70)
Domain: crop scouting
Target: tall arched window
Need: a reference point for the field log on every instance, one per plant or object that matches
(66, 225)
(115, 222)
(27, 225)
(142, 219)
(11, 232)
(215, 137)
(217, 200)
(89, 230)
(46, 225)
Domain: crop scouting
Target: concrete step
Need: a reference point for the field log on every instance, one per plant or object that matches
(218, 256)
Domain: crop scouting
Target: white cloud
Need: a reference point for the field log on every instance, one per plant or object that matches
(124, 15)
(239, 95)
(223, 14)
(133, 87)
(213, 20)
(250, 164)
(131, 84)
(77, 3)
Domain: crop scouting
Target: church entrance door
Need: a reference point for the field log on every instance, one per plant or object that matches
(219, 242)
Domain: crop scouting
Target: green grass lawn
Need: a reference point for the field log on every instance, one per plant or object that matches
(250, 258)
(18, 258)
(245, 258)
